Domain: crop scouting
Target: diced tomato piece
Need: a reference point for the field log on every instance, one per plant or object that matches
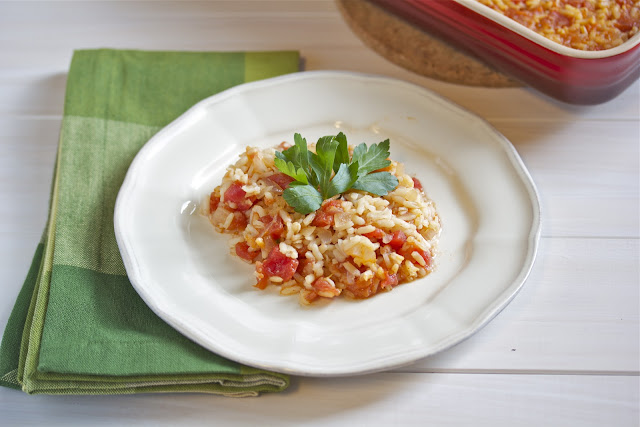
(333, 206)
(239, 221)
(397, 239)
(278, 264)
(245, 252)
(426, 256)
(264, 279)
(361, 289)
(322, 219)
(321, 284)
(389, 280)
(236, 195)
(323, 288)
(376, 234)
(281, 180)
(274, 227)
(266, 220)
(417, 184)
(324, 215)
(214, 201)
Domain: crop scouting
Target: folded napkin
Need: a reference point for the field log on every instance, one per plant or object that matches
(78, 326)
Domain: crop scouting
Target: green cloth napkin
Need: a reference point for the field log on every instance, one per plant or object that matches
(78, 326)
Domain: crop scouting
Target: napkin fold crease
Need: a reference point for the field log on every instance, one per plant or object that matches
(78, 326)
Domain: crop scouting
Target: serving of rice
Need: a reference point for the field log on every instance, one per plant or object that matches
(356, 245)
(579, 24)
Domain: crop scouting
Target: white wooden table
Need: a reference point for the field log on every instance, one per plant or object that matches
(565, 352)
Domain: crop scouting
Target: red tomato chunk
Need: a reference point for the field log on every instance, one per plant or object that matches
(324, 215)
(376, 234)
(236, 195)
(361, 289)
(397, 239)
(244, 252)
(322, 219)
(274, 227)
(239, 221)
(322, 287)
(417, 184)
(389, 280)
(406, 252)
(425, 256)
(278, 264)
(214, 201)
(281, 180)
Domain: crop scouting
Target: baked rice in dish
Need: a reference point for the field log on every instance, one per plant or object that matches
(579, 24)
(356, 245)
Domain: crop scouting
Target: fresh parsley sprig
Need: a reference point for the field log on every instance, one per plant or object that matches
(331, 170)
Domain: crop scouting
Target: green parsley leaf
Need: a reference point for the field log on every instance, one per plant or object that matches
(343, 180)
(342, 152)
(378, 183)
(288, 168)
(296, 159)
(302, 153)
(331, 170)
(316, 169)
(325, 155)
(303, 198)
(373, 158)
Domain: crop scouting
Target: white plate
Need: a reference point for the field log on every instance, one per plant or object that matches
(183, 270)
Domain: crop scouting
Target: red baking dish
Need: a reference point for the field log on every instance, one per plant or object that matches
(570, 75)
